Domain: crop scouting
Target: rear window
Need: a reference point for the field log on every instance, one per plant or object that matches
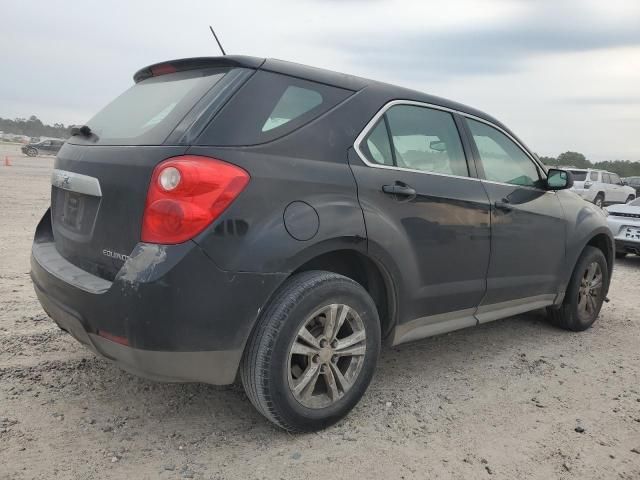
(579, 175)
(269, 106)
(148, 112)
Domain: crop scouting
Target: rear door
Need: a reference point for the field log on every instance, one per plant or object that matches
(617, 187)
(427, 216)
(527, 226)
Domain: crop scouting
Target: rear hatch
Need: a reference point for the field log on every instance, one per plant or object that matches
(101, 176)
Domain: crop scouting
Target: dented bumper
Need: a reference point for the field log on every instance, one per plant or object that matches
(169, 314)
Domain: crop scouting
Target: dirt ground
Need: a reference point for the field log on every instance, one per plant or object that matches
(513, 399)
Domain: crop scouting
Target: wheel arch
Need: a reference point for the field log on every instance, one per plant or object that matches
(369, 273)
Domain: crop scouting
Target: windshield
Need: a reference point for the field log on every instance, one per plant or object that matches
(148, 112)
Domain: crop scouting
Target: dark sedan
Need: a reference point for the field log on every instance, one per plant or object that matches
(43, 147)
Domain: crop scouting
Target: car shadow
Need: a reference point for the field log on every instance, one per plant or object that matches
(200, 412)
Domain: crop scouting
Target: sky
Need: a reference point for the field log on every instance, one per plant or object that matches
(562, 74)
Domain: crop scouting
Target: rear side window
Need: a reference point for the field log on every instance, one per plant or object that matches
(149, 111)
(593, 176)
(269, 106)
(421, 139)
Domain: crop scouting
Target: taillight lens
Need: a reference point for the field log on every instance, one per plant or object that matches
(186, 194)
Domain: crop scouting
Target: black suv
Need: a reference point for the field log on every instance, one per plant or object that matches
(238, 216)
(49, 147)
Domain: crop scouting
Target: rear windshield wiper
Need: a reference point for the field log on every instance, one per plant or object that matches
(84, 130)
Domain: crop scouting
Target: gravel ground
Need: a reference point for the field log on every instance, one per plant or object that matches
(512, 399)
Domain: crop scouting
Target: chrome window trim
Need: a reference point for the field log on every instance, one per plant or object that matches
(366, 130)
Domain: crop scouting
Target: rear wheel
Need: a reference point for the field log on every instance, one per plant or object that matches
(313, 352)
(585, 294)
(32, 152)
(599, 200)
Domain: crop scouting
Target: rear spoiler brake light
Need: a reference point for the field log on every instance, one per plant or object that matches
(179, 65)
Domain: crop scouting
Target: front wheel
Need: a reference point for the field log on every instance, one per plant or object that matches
(630, 198)
(32, 152)
(313, 352)
(585, 293)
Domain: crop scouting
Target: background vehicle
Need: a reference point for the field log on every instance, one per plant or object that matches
(237, 215)
(624, 222)
(600, 187)
(43, 147)
(634, 182)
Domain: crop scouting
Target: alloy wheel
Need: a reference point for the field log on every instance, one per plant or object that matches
(326, 356)
(590, 291)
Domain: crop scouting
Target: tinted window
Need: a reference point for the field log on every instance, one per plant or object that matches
(426, 139)
(295, 101)
(606, 178)
(269, 106)
(579, 175)
(148, 112)
(377, 147)
(502, 159)
(615, 179)
(593, 176)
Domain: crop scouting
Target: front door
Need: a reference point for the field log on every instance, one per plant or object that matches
(427, 217)
(527, 227)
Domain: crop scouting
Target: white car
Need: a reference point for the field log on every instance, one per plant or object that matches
(600, 187)
(624, 223)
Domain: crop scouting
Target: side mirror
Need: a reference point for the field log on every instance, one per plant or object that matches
(559, 179)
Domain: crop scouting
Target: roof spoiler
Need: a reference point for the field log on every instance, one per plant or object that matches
(196, 63)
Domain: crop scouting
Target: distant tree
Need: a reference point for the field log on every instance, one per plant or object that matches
(624, 168)
(549, 161)
(33, 127)
(573, 159)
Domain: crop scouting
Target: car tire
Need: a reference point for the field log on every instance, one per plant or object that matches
(273, 371)
(32, 152)
(630, 198)
(582, 303)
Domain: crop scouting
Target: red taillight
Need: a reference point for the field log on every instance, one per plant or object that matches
(191, 194)
(114, 338)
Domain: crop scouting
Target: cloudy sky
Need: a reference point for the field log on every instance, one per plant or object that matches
(563, 74)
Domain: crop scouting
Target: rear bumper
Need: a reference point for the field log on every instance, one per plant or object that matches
(175, 315)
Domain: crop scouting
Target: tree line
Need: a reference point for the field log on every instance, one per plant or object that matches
(33, 127)
(624, 168)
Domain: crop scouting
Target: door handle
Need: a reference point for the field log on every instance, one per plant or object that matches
(400, 190)
(503, 205)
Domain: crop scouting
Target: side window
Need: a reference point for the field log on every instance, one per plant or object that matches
(594, 176)
(295, 101)
(269, 106)
(377, 147)
(426, 139)
(502, 159)
(606, 178)
(615, 179)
